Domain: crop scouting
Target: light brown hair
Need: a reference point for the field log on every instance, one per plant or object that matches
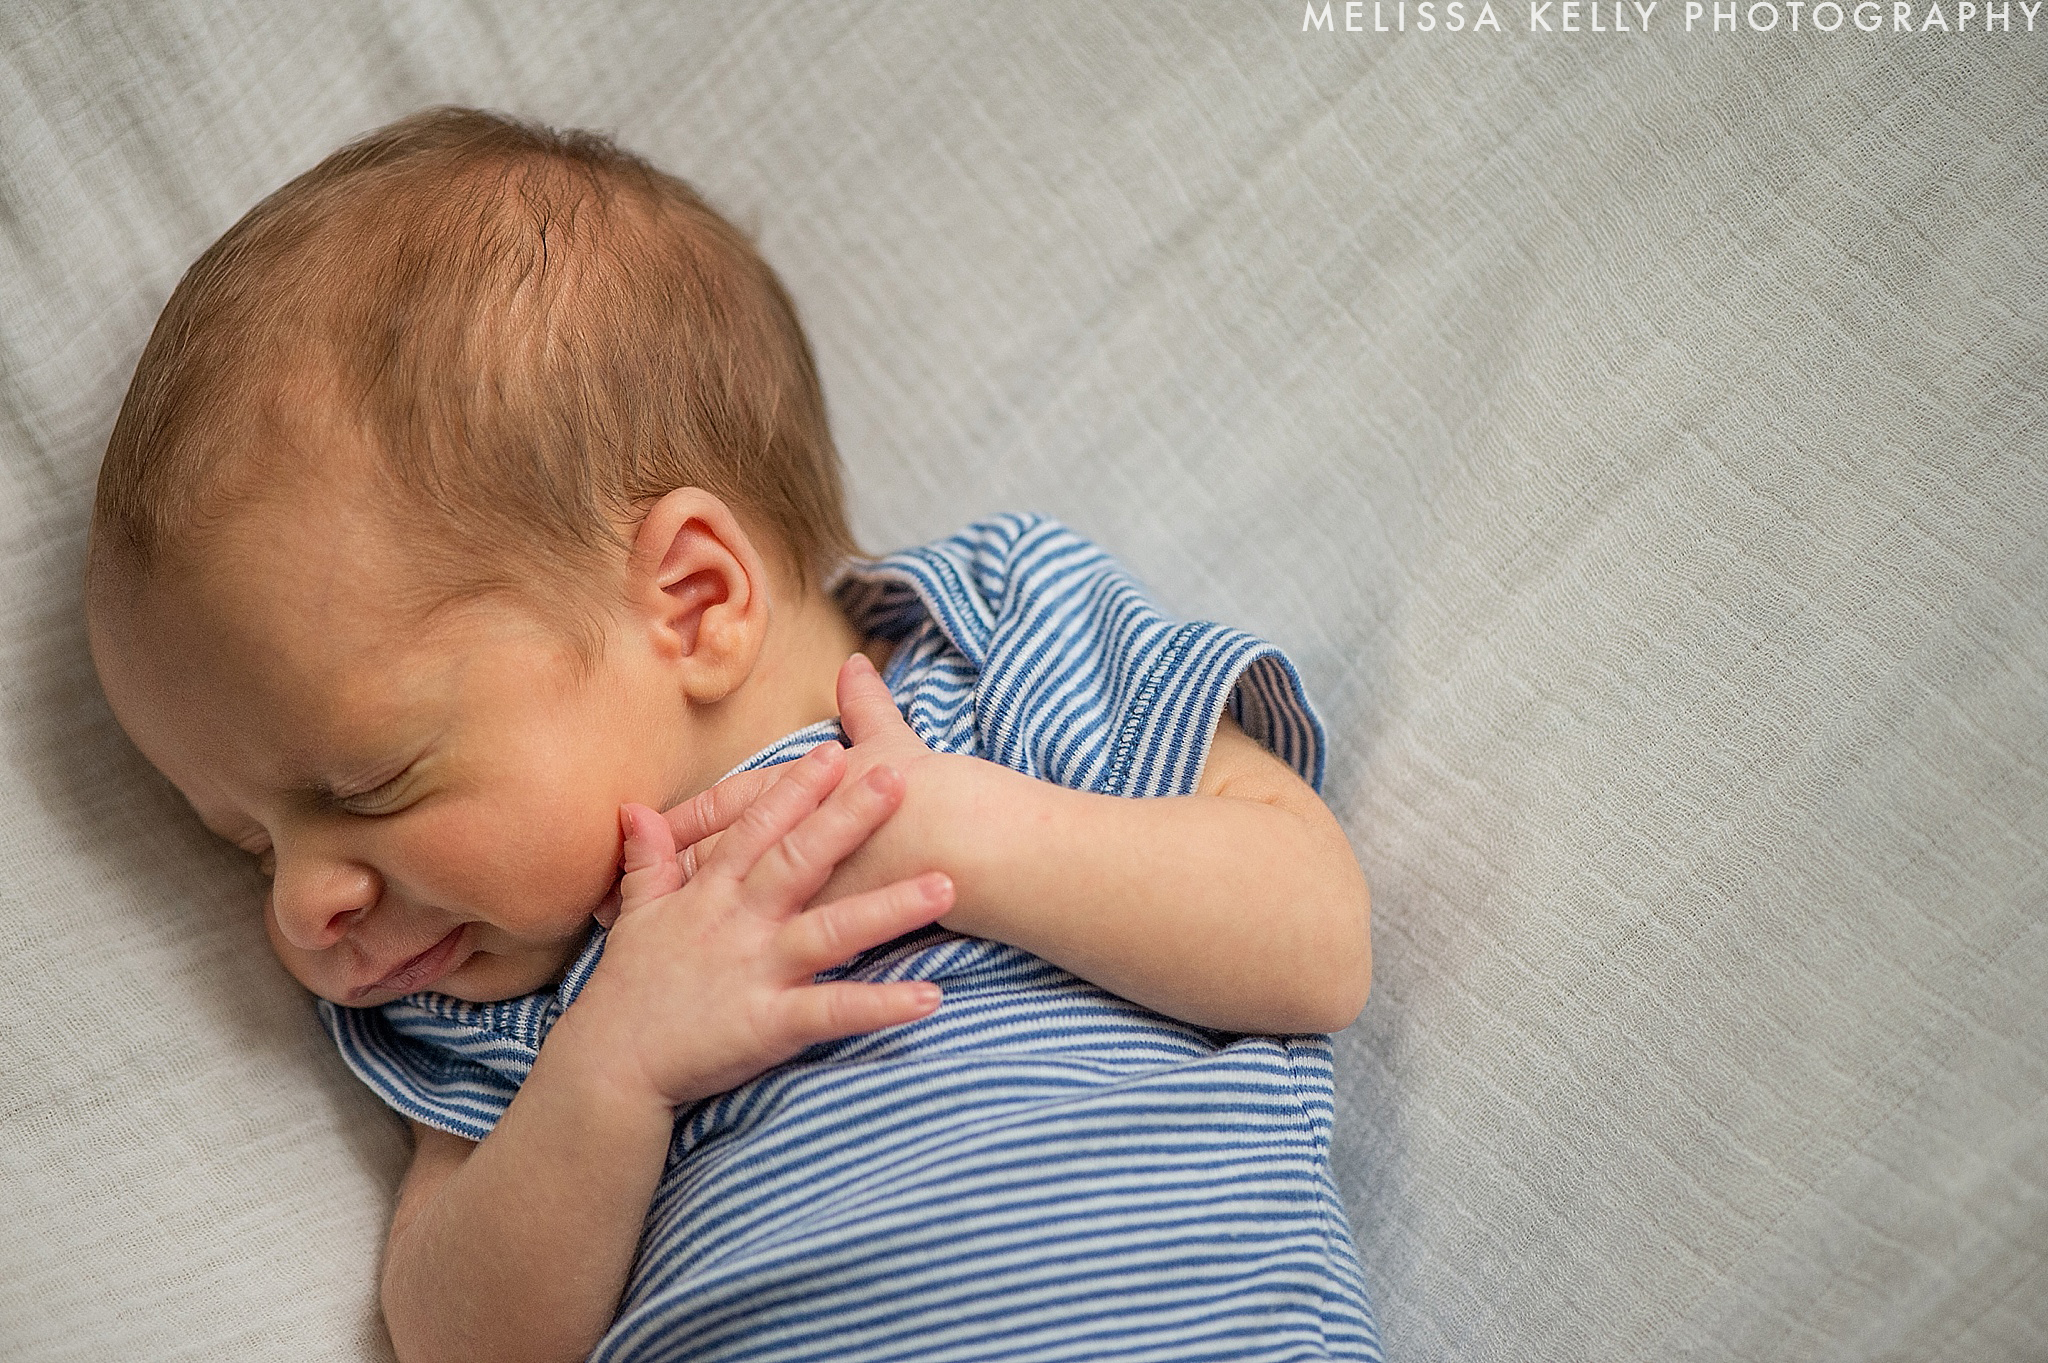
(534, 331)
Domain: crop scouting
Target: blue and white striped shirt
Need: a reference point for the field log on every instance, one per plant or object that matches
(1039, 1169)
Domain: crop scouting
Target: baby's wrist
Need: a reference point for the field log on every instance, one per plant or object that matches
(596, 1056)
(974, 814)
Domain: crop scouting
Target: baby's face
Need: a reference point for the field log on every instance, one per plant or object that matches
(435, 804)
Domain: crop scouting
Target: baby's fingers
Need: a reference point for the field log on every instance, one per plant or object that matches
(710, 812)
(866, 709)
(799, 788)
(832, 934)
(649, 861)
(827, 1012)
(796, 868)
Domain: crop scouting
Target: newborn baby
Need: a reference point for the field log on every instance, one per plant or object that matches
(472, 502)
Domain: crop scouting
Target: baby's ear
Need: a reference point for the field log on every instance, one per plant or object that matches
(696, 584)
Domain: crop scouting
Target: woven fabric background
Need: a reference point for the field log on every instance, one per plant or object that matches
(1639, 440)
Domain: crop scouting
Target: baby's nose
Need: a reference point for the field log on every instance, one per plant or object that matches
(316, 903)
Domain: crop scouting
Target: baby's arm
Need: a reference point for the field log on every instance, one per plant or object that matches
(1240, 907)
(519, 1247)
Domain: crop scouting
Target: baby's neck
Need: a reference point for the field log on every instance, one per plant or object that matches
(792, 684)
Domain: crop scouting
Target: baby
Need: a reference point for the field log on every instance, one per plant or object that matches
(472, 501)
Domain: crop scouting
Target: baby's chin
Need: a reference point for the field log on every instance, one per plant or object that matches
(492, 976)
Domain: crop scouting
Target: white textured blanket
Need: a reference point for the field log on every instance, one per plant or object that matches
(1638, 438)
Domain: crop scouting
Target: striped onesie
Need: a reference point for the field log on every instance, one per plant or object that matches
(1039, 1169)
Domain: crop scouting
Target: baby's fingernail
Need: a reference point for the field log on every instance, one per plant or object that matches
(629, 823)
(928, 996)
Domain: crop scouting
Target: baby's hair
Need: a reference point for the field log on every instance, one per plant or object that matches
(533, 332)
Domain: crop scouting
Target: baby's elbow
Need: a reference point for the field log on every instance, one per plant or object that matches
(1346, 997)
(1345, 981)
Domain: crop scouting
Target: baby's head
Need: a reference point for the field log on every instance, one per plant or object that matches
(474, 483)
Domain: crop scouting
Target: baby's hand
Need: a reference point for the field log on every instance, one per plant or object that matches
(706, 983)
(874, 726)
(942, 806)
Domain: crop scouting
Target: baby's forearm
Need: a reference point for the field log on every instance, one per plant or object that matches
(1226, 913)
(521, 1250)
(1241, 914)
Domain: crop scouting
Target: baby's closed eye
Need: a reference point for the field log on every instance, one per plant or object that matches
(380, 799)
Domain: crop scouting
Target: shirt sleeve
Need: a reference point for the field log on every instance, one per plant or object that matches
(1081, 679)
(427, 1083)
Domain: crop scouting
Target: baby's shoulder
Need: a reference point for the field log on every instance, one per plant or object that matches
(1029, 644)
(992, 578)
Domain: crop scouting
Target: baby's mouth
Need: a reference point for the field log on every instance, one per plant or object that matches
(417, 972)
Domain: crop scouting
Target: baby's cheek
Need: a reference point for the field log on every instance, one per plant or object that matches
(561, 877)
